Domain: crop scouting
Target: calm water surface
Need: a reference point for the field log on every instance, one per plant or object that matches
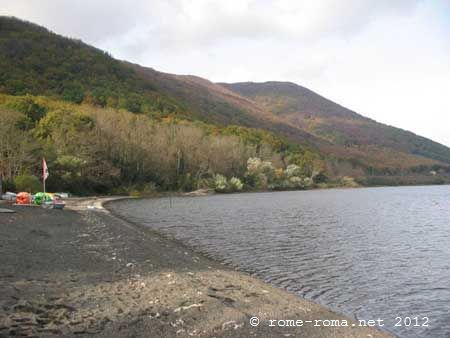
(369, 253)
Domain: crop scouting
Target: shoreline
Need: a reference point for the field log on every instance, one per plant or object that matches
(107, 205)
(233, 267)
(88, 273)
(193, 193)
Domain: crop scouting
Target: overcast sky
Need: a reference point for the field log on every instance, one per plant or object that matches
(386, 59)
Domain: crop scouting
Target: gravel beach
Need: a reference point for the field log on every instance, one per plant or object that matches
(87, 273)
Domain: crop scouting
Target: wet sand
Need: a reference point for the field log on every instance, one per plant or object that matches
(87, 273)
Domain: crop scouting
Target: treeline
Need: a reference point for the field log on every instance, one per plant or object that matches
(95, 150)
(412, 170)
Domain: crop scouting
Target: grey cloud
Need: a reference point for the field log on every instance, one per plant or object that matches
(92, 21)
(179, 24)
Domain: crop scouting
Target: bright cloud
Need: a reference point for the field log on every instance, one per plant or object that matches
(386, 59)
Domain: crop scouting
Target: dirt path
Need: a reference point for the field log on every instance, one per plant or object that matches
(87, 273)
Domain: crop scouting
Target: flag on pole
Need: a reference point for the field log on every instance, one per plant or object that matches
(44, 170)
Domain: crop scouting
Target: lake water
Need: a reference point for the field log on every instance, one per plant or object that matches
(369, 253)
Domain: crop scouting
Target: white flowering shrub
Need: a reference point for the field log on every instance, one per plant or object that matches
(308, 182)
(235, 184)
(292, 170)
(260, 174)
(296, 182)
(254, 165)
(220, 183)
(267, 167)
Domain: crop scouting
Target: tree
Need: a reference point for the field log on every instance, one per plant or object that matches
(16, 146)
(27, 183)
(133, 103)
(73, 93)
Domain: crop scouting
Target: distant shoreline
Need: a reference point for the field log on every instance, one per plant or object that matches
(192, 193)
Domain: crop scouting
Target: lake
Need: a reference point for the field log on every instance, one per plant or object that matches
(369, 253)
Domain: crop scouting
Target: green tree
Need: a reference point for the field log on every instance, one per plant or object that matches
(27, 105)
(133, 104)
(73, 93)
(28, 183)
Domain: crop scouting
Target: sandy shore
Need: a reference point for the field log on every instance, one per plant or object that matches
(86, 273)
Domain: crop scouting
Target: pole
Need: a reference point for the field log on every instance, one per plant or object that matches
(44, 171)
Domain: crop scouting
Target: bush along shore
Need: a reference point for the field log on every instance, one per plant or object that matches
(86, 273)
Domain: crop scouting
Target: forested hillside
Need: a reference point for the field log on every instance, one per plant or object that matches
(212, 103)
(35, 61)
(330, 121)
(108, 126)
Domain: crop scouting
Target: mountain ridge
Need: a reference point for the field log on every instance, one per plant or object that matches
(327, 119)
(280, 87)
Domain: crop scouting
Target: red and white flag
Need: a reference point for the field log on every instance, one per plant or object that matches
(44, 169)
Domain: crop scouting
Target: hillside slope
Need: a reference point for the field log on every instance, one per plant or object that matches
(36, 61)
(212, 103)
(336, 124)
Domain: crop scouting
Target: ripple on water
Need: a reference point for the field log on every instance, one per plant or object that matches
(372, 253)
